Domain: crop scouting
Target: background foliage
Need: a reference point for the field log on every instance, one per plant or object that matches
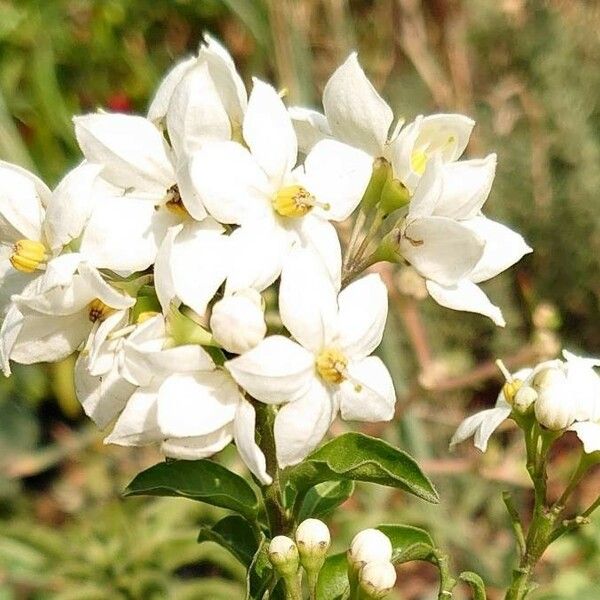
(526, 71)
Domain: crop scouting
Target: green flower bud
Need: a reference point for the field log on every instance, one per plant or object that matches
(376, 579)
(283, 554)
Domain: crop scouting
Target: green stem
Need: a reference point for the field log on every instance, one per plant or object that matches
(447, 582)
(279, 521)
(356, 229)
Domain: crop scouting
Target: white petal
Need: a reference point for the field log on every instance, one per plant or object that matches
(307, 300)
(128, 243)
(320, 236)
(160, 103)
(99, 343)
(196, 113)
(131, 149)
(356, 113)
(337, 175)
(103, 397)
(187, 190)
(362, 314)
(481, 425)
(102, 290)
(137, 425)
(229, 183)
(194, 448)
(584, 388)
(22, 200)
(70, 206)
(269, 133)
(589, 434)
(467, 296)
(9, 332)
(12, 281)
(466, 187)
(441, 249)
(300, 425)
(194, 404)
(428, 191)
(257, 252)
(192, 264)
(446, 133)
(244, 432)
(277, 370)
(400, 151)
(368, 395)
(310, 126)
(44, 338)
(503, 248)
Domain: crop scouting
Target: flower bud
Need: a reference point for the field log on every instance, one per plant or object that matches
(394, 195)
(382, 171)
(313, 539)
(524, 397)
(377, 579)
(369, 545)
(283, 554)
(238, 321)
(553, 407)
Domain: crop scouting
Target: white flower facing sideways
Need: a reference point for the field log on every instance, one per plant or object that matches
(327, 366)
(275, 204)
(563, 395)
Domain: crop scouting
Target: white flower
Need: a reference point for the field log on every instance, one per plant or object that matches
(173, 396)
(554, 408)
(56, 312)
(276, 205)
(313, 538)
(474, 248)
(357, 115)
(328, 366)
(369, 545)
(377, 579)
(237, 321)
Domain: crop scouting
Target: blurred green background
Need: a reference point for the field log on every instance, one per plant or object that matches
(526, 71)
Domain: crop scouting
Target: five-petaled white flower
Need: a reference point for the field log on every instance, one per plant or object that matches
(328, 366)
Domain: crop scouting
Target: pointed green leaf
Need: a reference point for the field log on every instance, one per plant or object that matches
(201, 480)
(408, 542)
(235, 534)
(476, 583)
(324, 497)
(333, 578)
(358, 457)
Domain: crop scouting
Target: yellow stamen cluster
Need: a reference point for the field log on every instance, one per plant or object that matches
(510, 388)
(174, 202)
(331, 365)
(28, 255)
(293, 201)
(98, 311)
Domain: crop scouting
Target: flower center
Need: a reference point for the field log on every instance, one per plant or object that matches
(293, 201)
(98, 311)
(331, 365)
(174, 203)
(28, 255)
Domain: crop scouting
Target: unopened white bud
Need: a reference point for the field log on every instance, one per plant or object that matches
(369, 545)
(283, 554)
(313, 539)
(377, 579)
(554, 408)
(524, 397)
(238, 321)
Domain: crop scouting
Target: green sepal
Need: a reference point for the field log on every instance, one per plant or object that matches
(235, 534)
(201, 480)
(183, 330)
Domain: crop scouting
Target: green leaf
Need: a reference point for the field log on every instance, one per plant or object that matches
(333, 578)
(324, 497)
(260, 573)
(408, 542)
(358, 457)
(476, 583)
(235, 534)
(201, 480)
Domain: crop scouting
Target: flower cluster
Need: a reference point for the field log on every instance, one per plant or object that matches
(193, 261)
(562, 395)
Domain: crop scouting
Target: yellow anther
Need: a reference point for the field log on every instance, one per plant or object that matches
(418, 161)
(510, 388)
(146, 315)
(293, 201)
(28, 255)
(331, 365)
(174, 202)
(98, 311)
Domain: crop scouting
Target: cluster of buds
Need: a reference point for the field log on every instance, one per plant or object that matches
(370, 571)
